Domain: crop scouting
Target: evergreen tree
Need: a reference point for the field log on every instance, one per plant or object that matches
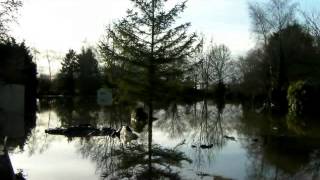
(88, 73)
(68, 73)
(17, 67)
(148, 48)
(151, 50)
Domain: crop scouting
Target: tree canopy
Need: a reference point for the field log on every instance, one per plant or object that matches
(148, 45)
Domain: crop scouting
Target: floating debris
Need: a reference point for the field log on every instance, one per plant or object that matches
(230, 137)
(82, 130)
(203, 174)
(203, 146)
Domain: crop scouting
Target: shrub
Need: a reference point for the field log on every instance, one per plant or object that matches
(302, 97)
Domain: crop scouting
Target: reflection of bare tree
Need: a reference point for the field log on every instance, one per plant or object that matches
(67, 112)
(201, 119)
(38, 141)
(86, 111)
(213, 125)
(173, 121)
(202, 124)
(101, 151)
(209, 132)
(119, 115)
(258, 167)
(178, 125)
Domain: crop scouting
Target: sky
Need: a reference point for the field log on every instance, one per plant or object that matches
(54, 26)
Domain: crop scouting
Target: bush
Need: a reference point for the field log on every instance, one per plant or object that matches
(302, 98)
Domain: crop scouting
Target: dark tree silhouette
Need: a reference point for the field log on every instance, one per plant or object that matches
(17, 67)
(312, 20)
(68, 73)
(267, 19)
(88, 80)
(148, 47)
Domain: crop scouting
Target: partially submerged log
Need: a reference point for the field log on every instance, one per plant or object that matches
(81, 131)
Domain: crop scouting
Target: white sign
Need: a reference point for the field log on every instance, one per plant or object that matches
(104, 97)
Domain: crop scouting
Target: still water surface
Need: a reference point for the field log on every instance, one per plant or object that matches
(238, 144)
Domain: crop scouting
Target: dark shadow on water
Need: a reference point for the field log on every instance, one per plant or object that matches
(17, 120)
(278, 149)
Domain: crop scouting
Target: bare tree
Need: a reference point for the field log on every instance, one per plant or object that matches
(8, 9)
(312, 20)
(267, 19)
(260, 23)
(273, 16)
(219, 57)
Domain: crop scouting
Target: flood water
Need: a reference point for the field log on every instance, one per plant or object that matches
(195, 141)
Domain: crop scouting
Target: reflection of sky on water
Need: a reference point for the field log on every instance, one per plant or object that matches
(58, 162)
(178, 127)
(227, 161)
(51, 157)
(56, 157)
(230, 161)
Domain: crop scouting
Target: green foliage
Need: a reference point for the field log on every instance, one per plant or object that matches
(253, 69)
(296, 94)
(268, 70)
(16, 62)
(288, 50)
(44, 85)
(295, 124)
(17, 67)
(146, 50)
(299, 51)
(68, 72)
(88, 80)
(302, 98)
(79, 73)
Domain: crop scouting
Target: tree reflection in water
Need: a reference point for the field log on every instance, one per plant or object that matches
(279, 154)
(115, 160)
(208, 132)
(131, 161)
(275, 149)
(202, 125)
